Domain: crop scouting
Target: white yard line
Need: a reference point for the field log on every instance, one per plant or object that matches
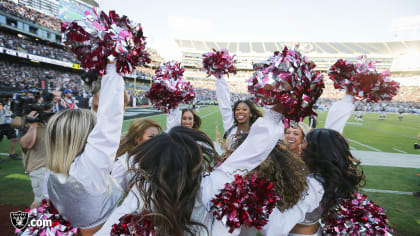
(4, 154)
(353, 148)
(364, 145)
(385, 191)
(398, 150)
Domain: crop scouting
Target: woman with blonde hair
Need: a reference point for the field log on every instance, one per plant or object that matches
(294, 135)
(140, 131)
(81, 151)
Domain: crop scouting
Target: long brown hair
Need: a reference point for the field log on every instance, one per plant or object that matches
(287, 172)
(167, 173)
(135, 132)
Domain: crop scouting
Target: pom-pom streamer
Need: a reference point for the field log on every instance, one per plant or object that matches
(363, 80)
(99, 38)
(218, 63)
(357, 216)
(169, 88)
(287, 78)
(247, 201)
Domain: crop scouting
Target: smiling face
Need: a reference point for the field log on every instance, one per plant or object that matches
(148, 134)
(187, 119)
(242, 113)
(293, 138)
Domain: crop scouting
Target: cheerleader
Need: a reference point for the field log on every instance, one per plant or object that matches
(236, 121)
(171, 186)
(294, 135)
(287, 172)
(81, 152)
(140, 131)
(333, 174)
(185, 117)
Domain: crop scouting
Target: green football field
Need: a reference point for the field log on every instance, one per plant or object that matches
(371, 134)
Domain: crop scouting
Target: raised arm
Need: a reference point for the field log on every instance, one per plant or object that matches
(95, 163)
(223, 99)
(173, 118)
(261, 140)
(339, 113)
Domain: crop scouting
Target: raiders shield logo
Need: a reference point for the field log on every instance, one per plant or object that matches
(19, 219)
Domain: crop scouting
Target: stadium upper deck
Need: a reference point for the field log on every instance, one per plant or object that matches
(323, 54)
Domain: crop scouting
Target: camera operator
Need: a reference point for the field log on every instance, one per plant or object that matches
(6, 129)
(33, 145)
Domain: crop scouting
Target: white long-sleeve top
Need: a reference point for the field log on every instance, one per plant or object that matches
(120, 171)
(95, 163)
(89, 172)
(223, 99)
(173, 118)
(339, 113)
(281, 223)
(265, 131)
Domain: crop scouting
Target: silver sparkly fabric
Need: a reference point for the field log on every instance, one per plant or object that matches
(81, 207)
(313, 217)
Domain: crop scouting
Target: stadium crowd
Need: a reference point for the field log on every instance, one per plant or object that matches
(30, 14)
(18, 43)
(25, 76)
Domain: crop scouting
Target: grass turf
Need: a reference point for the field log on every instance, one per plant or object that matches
(385, 135)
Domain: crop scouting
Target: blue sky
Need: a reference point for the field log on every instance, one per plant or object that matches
(262, 20)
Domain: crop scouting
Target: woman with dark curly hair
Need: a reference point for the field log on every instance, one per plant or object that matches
(286, 170)
(236, 121)
(334, 174)
(171, 187)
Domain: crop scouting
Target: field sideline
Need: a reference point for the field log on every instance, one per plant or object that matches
(371, 134)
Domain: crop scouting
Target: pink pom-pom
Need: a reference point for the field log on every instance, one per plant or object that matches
(169, 88)
(357, 216)
(287, 78)
(218, 63)
(99, 38)
(363, 80)
(134, 225)
(47, 212)
(247, 201)
(170, 70)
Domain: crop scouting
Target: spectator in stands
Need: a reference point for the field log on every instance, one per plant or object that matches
(67, 102)
(14, 42)
(56, 101)
(30, 14)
